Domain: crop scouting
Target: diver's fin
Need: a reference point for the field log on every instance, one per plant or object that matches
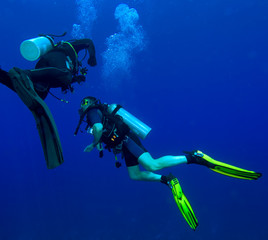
(3, 74)
(5, 79)
(182, 202)
(49, 137)
(222, 168)
(44, 120)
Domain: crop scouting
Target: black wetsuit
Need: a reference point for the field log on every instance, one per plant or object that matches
(58, 67)
(132, 147)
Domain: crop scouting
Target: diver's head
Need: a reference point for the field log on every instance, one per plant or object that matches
(87, 102)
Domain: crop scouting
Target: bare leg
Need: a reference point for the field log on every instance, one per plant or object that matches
(151, 164)
(135, 173)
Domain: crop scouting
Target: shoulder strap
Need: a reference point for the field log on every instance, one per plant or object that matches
(116, 110)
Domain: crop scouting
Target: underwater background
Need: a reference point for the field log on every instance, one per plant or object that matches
(194, 71)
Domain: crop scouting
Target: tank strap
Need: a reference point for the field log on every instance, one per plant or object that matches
(116, 110)
(49, 38)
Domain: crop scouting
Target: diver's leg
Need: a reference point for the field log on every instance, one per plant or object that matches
(135, 173)
(52, 71)
(52, 77)
(173, 183)
(151, 164)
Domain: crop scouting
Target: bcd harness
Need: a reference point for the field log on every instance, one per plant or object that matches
(73, 64)
(115, 130)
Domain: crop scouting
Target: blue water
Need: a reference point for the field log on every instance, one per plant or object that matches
(195, 71)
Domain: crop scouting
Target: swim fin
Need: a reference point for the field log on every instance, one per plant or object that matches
(200, 158)
(181, 201)
(44, 120)
(4, 75)
(5, 79)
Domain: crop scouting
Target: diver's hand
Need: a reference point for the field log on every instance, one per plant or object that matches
(89, 148)
(83, 71)
(99, 147)
(79, 79)
(92, 61)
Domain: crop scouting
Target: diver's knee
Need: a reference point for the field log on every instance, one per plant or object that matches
(135, 177)
(147, 161)
(152, 167)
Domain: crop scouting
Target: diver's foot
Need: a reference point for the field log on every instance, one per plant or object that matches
(24, 87)
(167, 179)
(196, 157)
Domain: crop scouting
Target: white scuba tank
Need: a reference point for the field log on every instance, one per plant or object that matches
(137, 126)
(34, 48)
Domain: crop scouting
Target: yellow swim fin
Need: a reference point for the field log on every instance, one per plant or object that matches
(181, 200)
(199, 157)
(183, 204)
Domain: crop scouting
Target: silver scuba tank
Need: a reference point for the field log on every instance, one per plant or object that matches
(34, 48)
(137, 126)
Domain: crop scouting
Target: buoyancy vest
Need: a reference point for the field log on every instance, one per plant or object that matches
(114, 129)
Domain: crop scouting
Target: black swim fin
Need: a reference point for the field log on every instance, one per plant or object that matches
(3, 74)
(5, 79)
(44, 120)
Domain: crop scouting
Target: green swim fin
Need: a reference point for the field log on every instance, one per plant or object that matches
(181, 201)
(200, 158)
(44, 120)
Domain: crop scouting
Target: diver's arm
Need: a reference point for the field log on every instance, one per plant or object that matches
(86, 44)
(97, 133)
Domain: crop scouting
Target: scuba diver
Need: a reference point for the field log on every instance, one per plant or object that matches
(58, 67)
(120, 131)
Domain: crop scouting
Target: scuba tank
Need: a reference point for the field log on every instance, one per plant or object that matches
(34, 48)
(137, 126)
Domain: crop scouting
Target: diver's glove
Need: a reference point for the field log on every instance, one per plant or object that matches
(92, 61)
(84, 71)
(198, 157)
(181, 200)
